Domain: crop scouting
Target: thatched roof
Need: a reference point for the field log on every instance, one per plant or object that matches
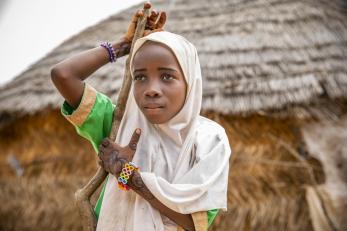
(261, 56)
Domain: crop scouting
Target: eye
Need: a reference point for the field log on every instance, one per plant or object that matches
(167, 77)
(139, 77)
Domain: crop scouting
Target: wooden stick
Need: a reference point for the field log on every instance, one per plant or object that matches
(83, 195)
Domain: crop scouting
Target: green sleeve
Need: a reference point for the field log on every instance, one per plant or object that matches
(211, 215)
(92, 120)
(98, 122)
(98, 204)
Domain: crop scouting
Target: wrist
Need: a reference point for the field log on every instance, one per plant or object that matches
(136, 183)
(124, 177)
(121, 47)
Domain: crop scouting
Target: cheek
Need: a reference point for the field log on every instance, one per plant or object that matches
(177, 93)
(137, 95)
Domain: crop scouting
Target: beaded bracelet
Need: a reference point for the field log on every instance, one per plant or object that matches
(128, 169)
(110, 50)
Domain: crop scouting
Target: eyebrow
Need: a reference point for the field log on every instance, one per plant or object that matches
(166, 69)
(159, 68)
(138, 70)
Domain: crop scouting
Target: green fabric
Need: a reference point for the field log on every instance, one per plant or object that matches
(98, 123)
(211, 214)
(99, 201)
(96, 127)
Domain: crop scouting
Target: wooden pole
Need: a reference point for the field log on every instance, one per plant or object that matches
(83, 195)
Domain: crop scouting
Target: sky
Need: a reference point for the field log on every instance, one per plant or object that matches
(29, 29)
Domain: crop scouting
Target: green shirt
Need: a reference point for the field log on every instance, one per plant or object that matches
(93, 120)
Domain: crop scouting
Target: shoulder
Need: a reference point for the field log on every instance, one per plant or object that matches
(211, 139)
(207, 128)
(209, 133)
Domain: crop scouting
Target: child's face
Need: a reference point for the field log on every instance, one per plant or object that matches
(159, 84)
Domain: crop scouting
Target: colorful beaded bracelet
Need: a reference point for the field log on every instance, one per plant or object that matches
(110, 50)
(128, 169)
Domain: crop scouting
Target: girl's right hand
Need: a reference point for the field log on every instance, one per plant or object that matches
(153, 23)
(112, 156)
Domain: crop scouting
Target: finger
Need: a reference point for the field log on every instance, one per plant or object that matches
(135, 17)
(161, 20)
(151, 20)
(105, 142)
(134, 139)
(132, 26)
(146, 5)
(157, 17)
(139, 13)
(154, 13)
(101, 153)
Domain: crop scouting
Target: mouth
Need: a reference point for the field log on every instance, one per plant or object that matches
(153, 109)
(153, 106)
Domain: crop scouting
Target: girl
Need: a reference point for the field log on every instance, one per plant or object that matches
(183, 158)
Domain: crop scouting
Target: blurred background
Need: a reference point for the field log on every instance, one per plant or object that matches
(274, 76)
(31, 29)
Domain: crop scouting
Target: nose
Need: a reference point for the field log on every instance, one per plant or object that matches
(153, 89)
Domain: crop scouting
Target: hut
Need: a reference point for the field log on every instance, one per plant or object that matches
(274, 75)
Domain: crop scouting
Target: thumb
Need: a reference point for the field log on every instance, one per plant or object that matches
(132, 26)
(134, 139)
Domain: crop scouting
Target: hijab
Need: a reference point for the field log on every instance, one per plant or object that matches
(183, 162)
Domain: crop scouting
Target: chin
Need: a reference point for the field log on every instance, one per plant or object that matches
(156, 121)
(155, 118)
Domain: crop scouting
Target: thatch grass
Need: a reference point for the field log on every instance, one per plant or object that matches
(46, 144)
(40, 203)
(268, 173)
(256, 56)
(56, 163)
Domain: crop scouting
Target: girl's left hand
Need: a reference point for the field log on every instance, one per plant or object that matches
(155, 22)
(112, 156)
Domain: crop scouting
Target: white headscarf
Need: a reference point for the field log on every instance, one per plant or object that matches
(183, 162)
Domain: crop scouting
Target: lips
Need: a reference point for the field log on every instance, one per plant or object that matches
(153, 106)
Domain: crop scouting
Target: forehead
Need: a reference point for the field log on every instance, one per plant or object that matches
(153, 52)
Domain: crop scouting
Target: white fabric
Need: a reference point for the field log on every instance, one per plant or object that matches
(184, 162)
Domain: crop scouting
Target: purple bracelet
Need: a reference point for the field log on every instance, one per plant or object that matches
(110, 51)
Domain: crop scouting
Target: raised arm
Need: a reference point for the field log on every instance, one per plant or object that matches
(69, 74)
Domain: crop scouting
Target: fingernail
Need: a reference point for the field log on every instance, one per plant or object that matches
(138, 131)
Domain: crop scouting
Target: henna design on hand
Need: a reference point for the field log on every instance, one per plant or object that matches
(136, 184)
(113, 156)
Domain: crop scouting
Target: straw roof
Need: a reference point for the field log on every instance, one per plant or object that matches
(261, 56)
(269, 169)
